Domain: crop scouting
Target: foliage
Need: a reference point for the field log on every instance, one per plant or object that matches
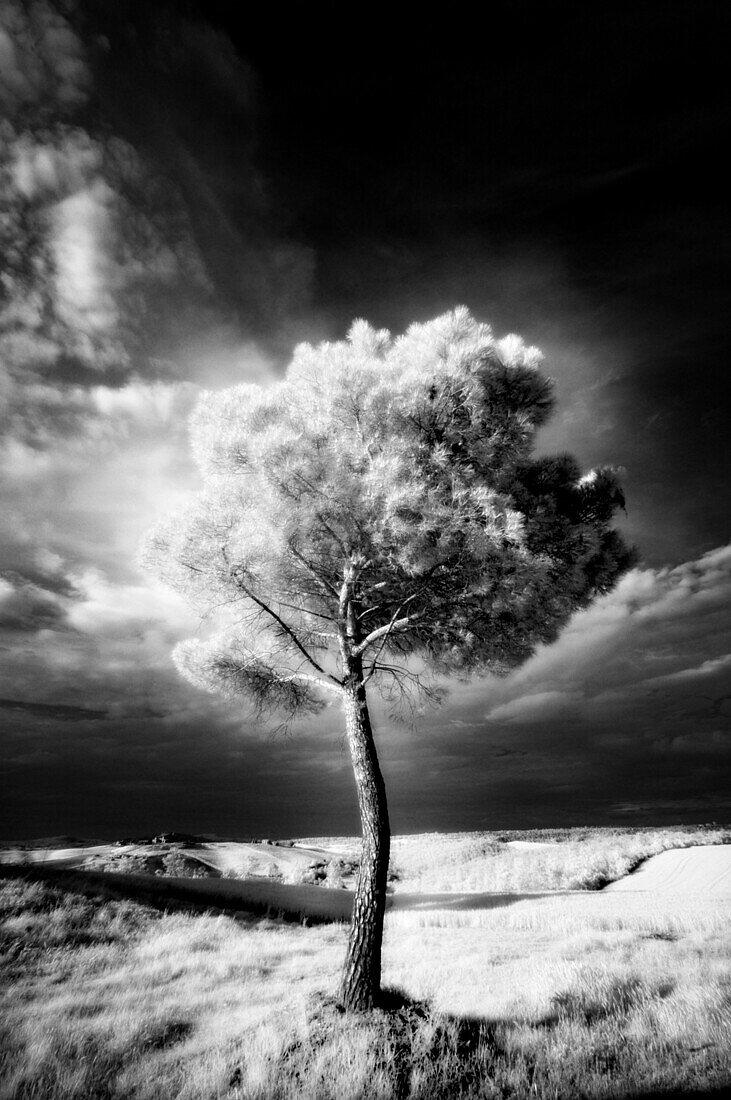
(380, 503)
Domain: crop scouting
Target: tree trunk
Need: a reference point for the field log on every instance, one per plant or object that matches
(361, 980)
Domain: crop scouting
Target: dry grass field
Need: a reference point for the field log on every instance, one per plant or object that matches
(509, 993)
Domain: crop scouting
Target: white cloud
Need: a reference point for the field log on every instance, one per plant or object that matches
(85, 275)
(49, 562)
(148, 404)
(219, 357)
(527, 708)
(105, 607)
(647, 626)
(697, 672)
(644, 666)
(58, 163)
(55, 429)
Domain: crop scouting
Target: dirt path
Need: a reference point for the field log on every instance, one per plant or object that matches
(704, 869)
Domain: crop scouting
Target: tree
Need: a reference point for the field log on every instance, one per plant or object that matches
(375, 519)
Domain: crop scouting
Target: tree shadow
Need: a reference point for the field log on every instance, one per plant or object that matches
(302, 904)
(166, 895)
(455, 902)
(419, 1052)
(403, 1034)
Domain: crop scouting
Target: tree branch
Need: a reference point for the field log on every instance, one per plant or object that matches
(306, 611)
(189, 565)
(285, 627)
(330, 531)
(332, 684)
(385, 630)
(330, 588)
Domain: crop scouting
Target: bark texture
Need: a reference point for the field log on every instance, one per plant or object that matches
(361, 980)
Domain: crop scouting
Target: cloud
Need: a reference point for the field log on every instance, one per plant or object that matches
(623, 716)
(687, 676)
(80, 241)
(111, 609)
(26, 607)
(42, 60)
(648, 626)
(137, 265)
(71, 635)
(527, 708)
(98, 610)
(96, 264)
(629, 706)
(57, 162)
(54, 426)
(107, 273)
(55, 712)
(148, 405)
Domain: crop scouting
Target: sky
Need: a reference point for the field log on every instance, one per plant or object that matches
(186, 194)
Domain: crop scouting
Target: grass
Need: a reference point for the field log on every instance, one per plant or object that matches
(549, 859)
(585, 859)
(589, 995)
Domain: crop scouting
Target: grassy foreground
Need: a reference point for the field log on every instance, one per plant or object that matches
(583, 995)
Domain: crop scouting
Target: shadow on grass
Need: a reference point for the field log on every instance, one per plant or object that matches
(454, 902)
(244, 899)
(405, 1038)
(417, 1052)
(260, 897)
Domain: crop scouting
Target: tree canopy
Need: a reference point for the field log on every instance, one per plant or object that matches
(401, 470)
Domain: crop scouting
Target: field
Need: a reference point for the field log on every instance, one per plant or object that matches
(508, 977)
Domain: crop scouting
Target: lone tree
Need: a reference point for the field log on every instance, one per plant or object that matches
(376, 518)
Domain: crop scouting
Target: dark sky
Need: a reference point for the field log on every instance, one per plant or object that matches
(185, 196)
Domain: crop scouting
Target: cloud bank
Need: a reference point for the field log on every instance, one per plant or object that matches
(625, 717)
(626, 714)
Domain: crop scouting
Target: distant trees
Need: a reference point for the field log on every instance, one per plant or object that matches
(373, 519)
